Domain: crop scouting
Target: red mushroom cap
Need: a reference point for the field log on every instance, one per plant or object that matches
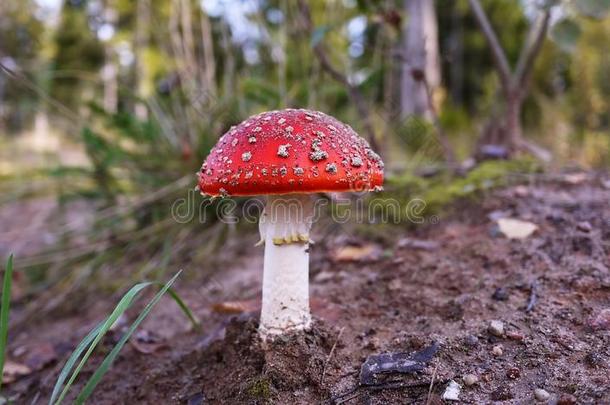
(290, 151)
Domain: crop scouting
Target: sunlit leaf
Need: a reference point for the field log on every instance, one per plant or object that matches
(593, 8)
(566, 34)
(4, 311)
(318, 34)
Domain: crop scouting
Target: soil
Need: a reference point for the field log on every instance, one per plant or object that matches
(441, 282)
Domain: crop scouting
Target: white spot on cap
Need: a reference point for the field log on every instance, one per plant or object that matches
(281, 121)
(356, 161)
(318, 155)
(246, 156)
(234, 142)
(331, 168)
(298, 171)
(257, 129)
(282, 150)
(252, 139)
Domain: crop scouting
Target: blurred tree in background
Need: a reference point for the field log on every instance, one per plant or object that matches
(78, 54)
(21, 32)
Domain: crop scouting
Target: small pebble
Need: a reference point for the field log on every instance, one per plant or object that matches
(373, 343)
(594, 359)
(471, 341)
(601, 321)
(501, 294)
(452, 392)
(541, 395)
(584, 226)
(513, 373)
(566, 399)
(497, 350)
(502, 393)
(470, 379)
(496, 328)
(515, 335)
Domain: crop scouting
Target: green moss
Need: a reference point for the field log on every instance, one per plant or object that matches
(259, 389)
(444, 189)
(488, 175)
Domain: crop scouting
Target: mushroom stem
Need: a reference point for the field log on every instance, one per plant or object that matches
(284, 227)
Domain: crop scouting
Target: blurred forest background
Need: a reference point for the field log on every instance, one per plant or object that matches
(108, 108)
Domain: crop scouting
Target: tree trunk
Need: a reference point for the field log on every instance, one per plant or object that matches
(139, 67)
(209, 62)
(110, 70)
(514, 132)
(421, 55)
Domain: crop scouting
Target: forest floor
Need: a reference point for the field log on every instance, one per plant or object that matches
(444, 282)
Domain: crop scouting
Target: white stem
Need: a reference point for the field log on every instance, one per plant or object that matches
(284, 228)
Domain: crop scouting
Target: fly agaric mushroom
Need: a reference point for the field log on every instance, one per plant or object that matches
(288, 155)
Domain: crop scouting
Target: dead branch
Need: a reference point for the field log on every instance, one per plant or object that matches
(532, 48)
(499, 56)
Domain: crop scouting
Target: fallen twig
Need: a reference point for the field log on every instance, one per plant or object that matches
(330, 355)
(533, 296)
(391, 385)
(431, 385)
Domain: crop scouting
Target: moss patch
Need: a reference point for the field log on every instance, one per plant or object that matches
(259, 389)
(436, 193)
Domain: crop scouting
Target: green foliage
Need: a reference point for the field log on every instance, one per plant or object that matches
(4, 312)
(439, 191)
(415, 132)
(588, 101)
(78, 53)
(593, 8)
(92, 340)
(566, 33)
(467, 61)
(21, 40)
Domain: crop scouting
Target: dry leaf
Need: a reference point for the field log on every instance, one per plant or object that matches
(515, 228)
(12, 371)
(575, 178)
(418, 244)
(237, 307)
(368, 252)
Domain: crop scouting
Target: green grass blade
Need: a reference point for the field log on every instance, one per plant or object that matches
(184, 307)
(82, 346)
(4, 312)
(109, 359)
(116, 313)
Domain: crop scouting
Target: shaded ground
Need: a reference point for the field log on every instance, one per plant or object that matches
(442, 282)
